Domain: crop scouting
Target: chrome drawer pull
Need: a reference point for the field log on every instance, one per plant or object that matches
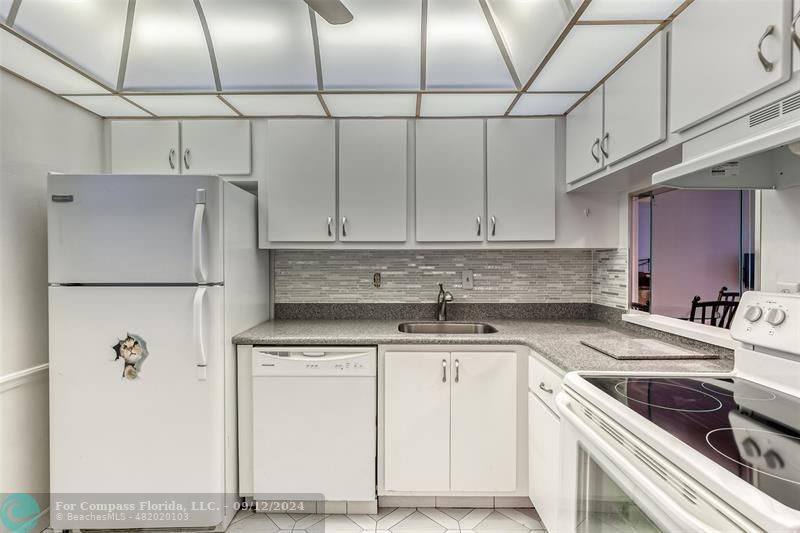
(543, 387)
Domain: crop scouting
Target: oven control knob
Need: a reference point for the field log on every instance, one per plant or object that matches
(753, 313)
(776, 316)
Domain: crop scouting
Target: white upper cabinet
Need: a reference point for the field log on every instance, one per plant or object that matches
(521, 179)
(145, 147)
(483, 416)
(216, 146)
(584, 131)
(373, 168)
(449, 180)
(795, 36)
(724, 53)
(154, 146)
(300, 181)
(635, 103)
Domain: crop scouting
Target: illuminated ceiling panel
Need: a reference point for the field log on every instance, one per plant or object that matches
(87, 33)
(379, 49)
(168, 48)
(529, 29)
(630, 9)
(27, 61)
(461, 50)
(587, 54)
(262, 44)
(276, 105)
(108, 106)
(465, 105)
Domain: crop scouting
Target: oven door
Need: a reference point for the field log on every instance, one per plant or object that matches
(613, 482)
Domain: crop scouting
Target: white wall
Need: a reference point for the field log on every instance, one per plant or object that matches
(695, 248)
(780, 237)
(39, 132)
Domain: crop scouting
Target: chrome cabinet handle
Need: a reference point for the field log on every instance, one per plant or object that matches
(604, 144)
(795, 36)
(494, 226)
(478, 220)
(187, 157)
(171, 159)
(456, 370)
(330, 230)
(766, 63)
(344, 226)
(444, 370)
(595, 144)
(543, 387)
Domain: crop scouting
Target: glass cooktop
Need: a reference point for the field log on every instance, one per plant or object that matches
(748, 429)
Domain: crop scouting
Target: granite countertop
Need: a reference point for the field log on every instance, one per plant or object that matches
(559, 341)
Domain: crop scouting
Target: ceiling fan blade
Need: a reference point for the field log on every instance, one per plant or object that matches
(333, 11)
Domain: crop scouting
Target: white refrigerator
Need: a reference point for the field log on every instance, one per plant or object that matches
(149, 278)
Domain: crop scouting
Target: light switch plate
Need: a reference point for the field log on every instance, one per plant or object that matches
(466, 279)
(790, 287)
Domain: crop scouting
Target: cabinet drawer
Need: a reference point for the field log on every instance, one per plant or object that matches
(544, 382)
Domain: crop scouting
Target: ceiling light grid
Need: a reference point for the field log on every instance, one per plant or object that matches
(435, 90)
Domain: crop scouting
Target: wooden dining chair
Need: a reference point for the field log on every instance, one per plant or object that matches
(717, 313)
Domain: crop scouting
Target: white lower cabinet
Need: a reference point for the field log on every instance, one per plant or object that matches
(483, 422)
(450, 421)
(543, 461)
(417, 421)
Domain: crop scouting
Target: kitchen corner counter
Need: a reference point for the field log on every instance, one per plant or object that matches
(557, 341)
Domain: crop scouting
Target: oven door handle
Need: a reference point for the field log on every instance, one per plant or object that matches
(636, 482)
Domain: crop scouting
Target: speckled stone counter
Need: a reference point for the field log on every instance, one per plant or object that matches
(559, 341)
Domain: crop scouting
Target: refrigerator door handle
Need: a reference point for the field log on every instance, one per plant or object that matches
(197, 237)
(199, 339)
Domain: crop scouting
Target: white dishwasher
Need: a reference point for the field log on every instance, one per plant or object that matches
(314, 423)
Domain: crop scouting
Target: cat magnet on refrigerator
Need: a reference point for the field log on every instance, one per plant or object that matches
(133, 351)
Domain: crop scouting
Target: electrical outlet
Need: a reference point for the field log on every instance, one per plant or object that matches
(466, 279)
(376, 280)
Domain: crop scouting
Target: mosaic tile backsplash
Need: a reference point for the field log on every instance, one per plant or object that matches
(500, 276)
(610, 278)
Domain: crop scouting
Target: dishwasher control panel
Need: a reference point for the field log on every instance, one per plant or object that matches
(314, 361)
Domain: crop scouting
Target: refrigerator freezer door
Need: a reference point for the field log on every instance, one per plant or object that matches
(131, 410)
(134, 229)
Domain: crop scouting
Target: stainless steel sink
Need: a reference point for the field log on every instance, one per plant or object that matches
(447, 328)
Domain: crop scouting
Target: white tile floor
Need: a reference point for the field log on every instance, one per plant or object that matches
(395, 520)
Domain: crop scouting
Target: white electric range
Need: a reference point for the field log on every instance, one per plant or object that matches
(690, 453)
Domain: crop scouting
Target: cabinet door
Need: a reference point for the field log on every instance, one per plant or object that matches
(417, 421)
(373, 180)
(520, 179)
(301, 181)
(584, 130)
(543, 461)
(483, 438)
(449, 180)
(145, 147)
(635, 102)
(795, 40)
(715, 65)
(216, 146)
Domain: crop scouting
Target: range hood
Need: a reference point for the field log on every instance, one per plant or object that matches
(765, 154)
